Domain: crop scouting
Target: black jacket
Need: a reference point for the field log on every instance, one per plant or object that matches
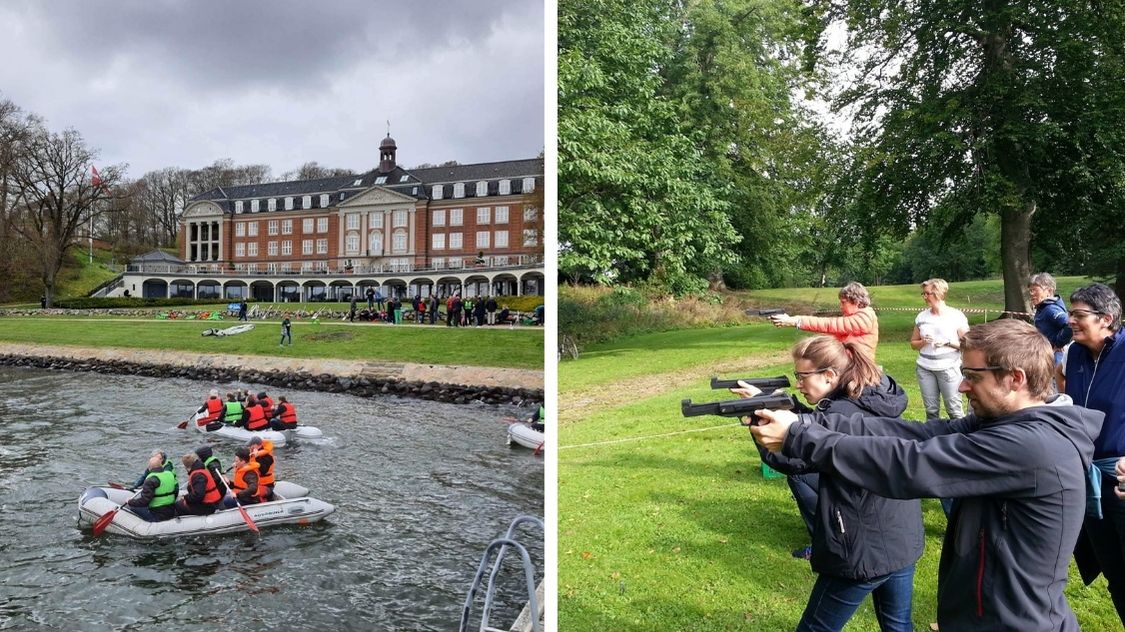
(1019, 485)
(858, 534)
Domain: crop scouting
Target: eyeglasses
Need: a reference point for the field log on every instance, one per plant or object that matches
(801, 375)
(925, 294)
(1082, 313)
(972, 374)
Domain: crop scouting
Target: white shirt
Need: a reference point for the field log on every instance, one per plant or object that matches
(942, 328)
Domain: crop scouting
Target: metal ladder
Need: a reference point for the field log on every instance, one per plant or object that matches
(529, 577)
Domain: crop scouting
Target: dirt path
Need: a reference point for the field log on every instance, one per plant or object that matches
(445, 374)
(574, 406)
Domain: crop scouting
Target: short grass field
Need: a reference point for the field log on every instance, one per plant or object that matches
(667, 523)
(520, 347)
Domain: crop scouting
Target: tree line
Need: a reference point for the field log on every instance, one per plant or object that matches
(957, 140)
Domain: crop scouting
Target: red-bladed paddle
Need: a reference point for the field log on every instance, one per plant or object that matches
(101, 523)
(120, 486)
(245, 516)
(183, 424)
(539, 449)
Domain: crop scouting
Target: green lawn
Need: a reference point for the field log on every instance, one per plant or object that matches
(681, 531)
(521, 347)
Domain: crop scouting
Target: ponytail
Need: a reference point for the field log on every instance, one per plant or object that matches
(855, 368)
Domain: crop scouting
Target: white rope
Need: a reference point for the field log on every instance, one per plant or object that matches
(666, 434)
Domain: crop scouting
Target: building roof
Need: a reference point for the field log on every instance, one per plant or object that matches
(156, 256)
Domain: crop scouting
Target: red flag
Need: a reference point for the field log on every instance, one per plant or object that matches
(96, 179)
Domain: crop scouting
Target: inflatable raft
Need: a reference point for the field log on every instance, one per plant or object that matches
(278, 437)
(523, 434)
(292, 506)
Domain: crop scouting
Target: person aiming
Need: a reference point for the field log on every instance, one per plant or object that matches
(858, 324)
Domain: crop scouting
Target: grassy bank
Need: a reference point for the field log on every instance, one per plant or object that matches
(486, 346)
(666, 522)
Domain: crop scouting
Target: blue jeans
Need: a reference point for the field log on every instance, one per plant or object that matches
(835, 599)
(805, 489)
(1107, 537)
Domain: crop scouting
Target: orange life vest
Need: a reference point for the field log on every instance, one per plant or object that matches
(267, 406)
(257, 419)
(289, 417)
(211, 495)
(265, 477)
(214, 411)
(238, 483)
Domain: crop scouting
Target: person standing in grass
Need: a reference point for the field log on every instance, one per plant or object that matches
(286, 331)
(1015, 467)
(936, 338)
(858, 324)
(861, 543)
(1050, 312)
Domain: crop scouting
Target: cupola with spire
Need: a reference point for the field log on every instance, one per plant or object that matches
(387, 150)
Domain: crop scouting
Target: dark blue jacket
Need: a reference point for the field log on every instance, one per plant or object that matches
(1020, 486)
(857, 534)
(1051, 320)
(1100, 385)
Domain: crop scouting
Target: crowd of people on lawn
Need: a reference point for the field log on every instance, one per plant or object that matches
(1027, 478)
(459, 312)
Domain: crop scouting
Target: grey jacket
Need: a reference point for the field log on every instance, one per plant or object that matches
(1019, 485)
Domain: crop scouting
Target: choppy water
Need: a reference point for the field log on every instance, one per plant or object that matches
(420, 489)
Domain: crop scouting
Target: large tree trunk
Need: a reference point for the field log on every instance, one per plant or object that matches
(1015, 248)
(1119, 282)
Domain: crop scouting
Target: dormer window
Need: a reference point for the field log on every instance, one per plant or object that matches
(482, 189)
(238, 206)
(306, 201)
(404, 178)
(438, 190)
(254, 206)
(324, 200)
(289, 204)
(271, 204)
(528, 185)
(459, 190)
(358, 182)
(505, 187)
(381, 180)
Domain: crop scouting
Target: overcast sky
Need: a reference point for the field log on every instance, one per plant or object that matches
(178, 83)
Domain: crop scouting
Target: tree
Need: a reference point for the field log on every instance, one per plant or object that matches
(635, 201)
(981, 107)
(55, 195)
(313, 171)
(15, 256)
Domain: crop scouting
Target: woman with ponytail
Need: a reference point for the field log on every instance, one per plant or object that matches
(861, 543)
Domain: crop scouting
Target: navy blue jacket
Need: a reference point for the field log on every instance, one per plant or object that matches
(1051, 320)
(1020, 486)
(1100, 385)
(857, 534)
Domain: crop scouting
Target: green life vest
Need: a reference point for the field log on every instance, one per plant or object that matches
(234, 412)
(168, 467)
(212, 459)
(165, 491)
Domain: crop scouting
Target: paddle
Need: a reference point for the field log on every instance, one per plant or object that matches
(245, 516)
(120, 486)
(538, 449)
(101, 523)
(183, 424)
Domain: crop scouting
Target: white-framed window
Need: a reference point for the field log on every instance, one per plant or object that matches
(286, 227)
(528, 185)
(439, 217)
(505, 187)
(437, 263)
(482, 189)
(272, 226)
(353, 221)
(251, 229)
(321, 266)
(500, 215)
(501, 240)
(240, 250)
(530, 214)
(438, 241)
(375, 243)
(306, 247)
(252, 249)
(271, 248)
(286, 268)
(437, 191)
(398, 243)
(289, 203)
(306, 201)
(271, 268)
(454, 263)
(455, 241)
(530, 237)
(322, 224)
(343, 194)
(287, 247)
(306, 266)
(251, 267)
(352, 244)
(456, 216)
(381, 180)
(482, 239)
(398, 219)
(459, 190)
(271, 204)
(375, 220)
(322, 246)
(238, 206)
(307, 225)
(240, 229)
(483, 215)
(404, 179)
(358, 182)
(323, 200)
(254, 204)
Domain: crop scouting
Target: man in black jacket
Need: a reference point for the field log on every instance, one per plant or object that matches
(1015, 468)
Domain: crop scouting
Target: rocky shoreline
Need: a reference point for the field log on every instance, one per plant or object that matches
(457, 385)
